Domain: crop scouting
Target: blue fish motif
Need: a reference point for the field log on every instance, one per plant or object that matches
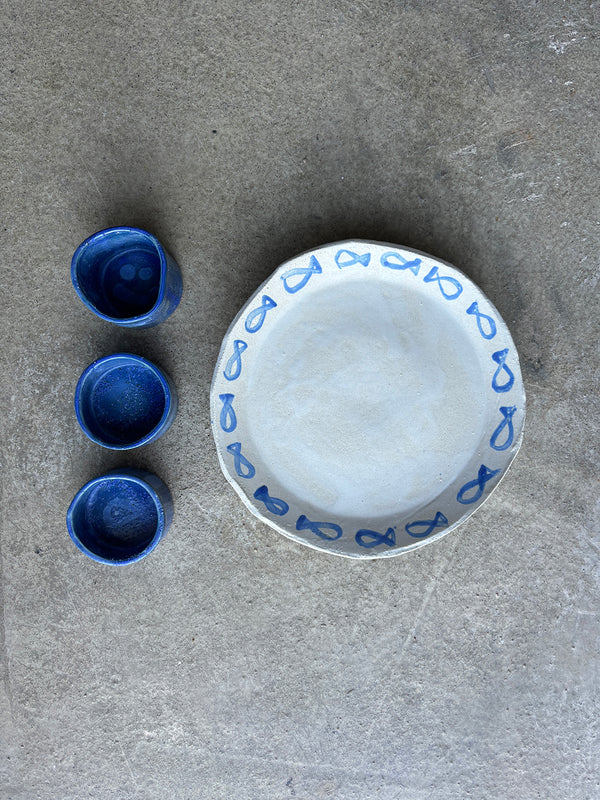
(272, 504)
(421, 528)
(500, 358)
(242, 466)
(351, 258)
(490, 323)
(233, 368)
(444, 281)
(507, 415)
(228, 418)
(394, 260)
(319, 528)
(483, 476)
(368, 538)
(256, 318)
(305, 273)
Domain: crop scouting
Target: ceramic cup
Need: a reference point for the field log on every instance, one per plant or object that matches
(125, 276)
(120, 517)
(123, 401)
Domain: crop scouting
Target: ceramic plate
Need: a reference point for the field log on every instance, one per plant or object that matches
(367, 399)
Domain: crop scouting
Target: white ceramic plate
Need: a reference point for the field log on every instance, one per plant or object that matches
(367, 399)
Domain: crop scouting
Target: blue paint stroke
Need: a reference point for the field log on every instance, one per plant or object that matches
(242, 466)
(483, 476)
(442, 281)
(233, 368)
(304, 524)
(272, 504)
(393, 260)
(421, 528)
(367, 538)
(500, 358)
(352, 258)
(314, 268)
(255, 319)
(491, 325)
(228, 418)
(507, 415)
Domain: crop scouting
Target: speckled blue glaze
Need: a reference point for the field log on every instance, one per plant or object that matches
(120, 517)
(123, 401)
(125, 276)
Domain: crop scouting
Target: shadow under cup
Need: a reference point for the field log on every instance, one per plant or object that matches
(125, 276)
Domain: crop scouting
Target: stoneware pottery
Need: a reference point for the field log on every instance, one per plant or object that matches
(120, 517)
(124, 401)
(367, 399)
(125, 276)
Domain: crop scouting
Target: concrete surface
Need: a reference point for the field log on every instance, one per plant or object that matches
(233, 663)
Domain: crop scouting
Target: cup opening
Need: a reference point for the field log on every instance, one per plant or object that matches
(115, 519)
(122, 402)
(119, 272)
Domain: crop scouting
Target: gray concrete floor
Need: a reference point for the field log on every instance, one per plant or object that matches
(234, 663)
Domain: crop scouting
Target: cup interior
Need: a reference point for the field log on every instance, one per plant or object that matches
(121, 401)
(119, 272)
(115, 519)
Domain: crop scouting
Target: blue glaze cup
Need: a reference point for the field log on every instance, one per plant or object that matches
(125, 276)
(123, 401)
(120, 517)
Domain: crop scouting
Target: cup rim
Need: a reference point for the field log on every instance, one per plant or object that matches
(161, 287)
(156, 431)
(108, 478)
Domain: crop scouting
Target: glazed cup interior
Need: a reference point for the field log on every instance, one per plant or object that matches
(116, 519)
(123, 401)
(119, 271)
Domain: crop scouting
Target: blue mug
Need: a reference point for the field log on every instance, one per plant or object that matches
(125, 276)
(124, 401)
(120, 517)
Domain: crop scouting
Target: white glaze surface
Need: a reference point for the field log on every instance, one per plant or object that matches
(364, 398)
